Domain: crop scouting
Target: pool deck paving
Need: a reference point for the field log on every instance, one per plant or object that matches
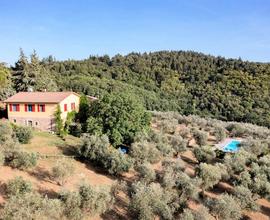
(225, 142)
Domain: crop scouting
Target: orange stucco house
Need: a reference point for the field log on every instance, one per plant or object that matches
(36, 109)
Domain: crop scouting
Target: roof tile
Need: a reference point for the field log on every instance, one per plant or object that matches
(39, 97)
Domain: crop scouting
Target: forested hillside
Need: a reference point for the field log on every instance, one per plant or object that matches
(187, 82)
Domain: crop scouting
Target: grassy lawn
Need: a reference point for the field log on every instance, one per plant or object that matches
(47, 143)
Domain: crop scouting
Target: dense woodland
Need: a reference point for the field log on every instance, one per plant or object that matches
(186, 82)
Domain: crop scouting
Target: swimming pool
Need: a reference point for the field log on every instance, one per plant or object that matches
(232, 146)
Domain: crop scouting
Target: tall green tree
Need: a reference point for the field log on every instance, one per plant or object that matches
(59, 125)
(32, 75)
(21, 74)
(6, 89)
(120, 116)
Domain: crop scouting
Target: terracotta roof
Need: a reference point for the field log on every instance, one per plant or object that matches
(39, 97)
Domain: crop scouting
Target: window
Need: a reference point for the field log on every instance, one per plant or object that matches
(29, 108)
(14, 120)
(41, 108)
(30, 123)
(36, 123)
(72, 106)
(65, 107)
(14, 107)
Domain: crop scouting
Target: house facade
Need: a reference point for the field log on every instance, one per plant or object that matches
(37, 109)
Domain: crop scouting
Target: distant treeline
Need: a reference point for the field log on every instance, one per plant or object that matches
(187, 82)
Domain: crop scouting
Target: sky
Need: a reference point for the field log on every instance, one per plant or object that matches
(76, 29)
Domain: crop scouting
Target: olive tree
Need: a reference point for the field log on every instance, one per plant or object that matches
(62, 169)
(150, 201)
(95, 200)
(18, 186)
(225, 207)
(23, 160)
(204, 154)
(179, 144)
(201, 214)
(245, 198)
(32, 206)
(200, 137)
(23, 134)
(97, 149)
(209, 174)
(220, 133)
(146, 172)
(145, 151)
(72, 204)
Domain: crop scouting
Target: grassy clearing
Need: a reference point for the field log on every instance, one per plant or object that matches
(47, 143)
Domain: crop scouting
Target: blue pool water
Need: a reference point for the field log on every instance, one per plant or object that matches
(232, 146)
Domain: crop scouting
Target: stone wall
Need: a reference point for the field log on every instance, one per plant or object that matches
(45, 124)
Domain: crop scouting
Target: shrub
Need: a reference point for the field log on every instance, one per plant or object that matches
(178, 144)
(116, 162)
(225, 207)
(236, 130)
(23, 160)
(5, 132)
(201, 214)
(149, 201)
(146, 172)
(9, 148)
(187, 214)
(23, 134)
(171, 172)
(200, 137)
(98, 150)
(237, 162)
(187, 187)
(261, 185)
(184, 132)
(95, 200)
(32, 206)
(165, 149)
(94, 147)
(265, 160)
(75, 129)
(168, 126)
(18, 186)
(63, 169)
(177, 165)
(244, 179)
(204, 154)
(220, 133)
(72, 204)
(245, 198)
(255, 147)
(144, 151)
(209, 174)
(156, 137)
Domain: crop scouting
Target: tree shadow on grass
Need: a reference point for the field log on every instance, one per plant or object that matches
(68, 150)
(119, 211)
(41, 174)
(51, 194)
